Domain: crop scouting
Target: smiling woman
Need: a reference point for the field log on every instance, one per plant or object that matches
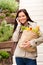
(35, 10)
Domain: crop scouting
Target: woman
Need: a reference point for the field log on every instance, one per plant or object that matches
(23, 57)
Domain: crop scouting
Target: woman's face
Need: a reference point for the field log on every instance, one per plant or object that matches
(22, 17)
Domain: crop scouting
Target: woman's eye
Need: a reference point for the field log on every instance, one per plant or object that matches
(23, 16)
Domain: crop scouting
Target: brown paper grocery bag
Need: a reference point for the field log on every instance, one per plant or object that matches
(27, 36)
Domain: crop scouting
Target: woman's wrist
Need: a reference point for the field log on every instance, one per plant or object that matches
(33, 43)
(18, 27)
(19, 24)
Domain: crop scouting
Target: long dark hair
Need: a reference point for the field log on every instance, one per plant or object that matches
(27, 15)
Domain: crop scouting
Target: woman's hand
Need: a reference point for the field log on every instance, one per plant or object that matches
(26, 44)
(18, 21)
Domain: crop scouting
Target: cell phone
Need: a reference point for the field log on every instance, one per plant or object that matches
(17, 19)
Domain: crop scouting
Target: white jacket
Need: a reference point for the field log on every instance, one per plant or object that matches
(35, 42)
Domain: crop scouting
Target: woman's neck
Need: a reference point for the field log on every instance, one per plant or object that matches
(25, 24)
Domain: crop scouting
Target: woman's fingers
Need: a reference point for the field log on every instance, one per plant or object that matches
(26, 45)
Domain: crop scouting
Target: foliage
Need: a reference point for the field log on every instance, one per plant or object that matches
(13, 15)
(6, 31)
(4, 55)
(11, 5)
(0, 57)
(2, 15)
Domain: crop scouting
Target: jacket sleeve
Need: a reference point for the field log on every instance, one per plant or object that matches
(15, 36)
(38, 41)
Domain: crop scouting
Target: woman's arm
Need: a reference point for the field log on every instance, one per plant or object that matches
(15, 36)
(38, 41)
